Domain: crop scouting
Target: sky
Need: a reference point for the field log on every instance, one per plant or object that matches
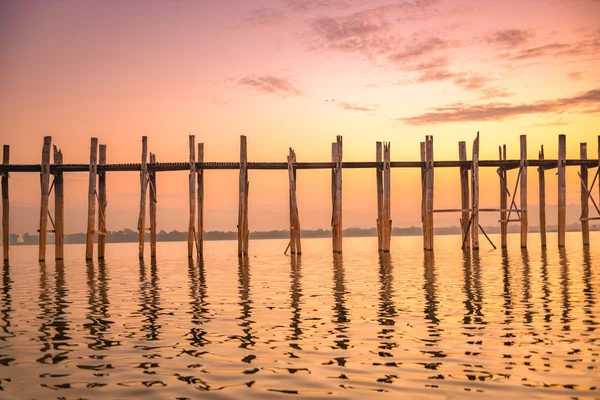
(293, 73)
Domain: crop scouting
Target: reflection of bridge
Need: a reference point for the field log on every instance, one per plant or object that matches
(469, 210)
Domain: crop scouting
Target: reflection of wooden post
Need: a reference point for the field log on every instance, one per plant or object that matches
(143, 187)
(379, 171)
(192, 184)
(45, 189)
(5, 204)
(200, 188)
(243, 200)
(93, 170)
(503, 198)
(59, 208)
(102, 204)
(336, 191)
(542, 200)
(475, 192)
(295, 246)
(585, 225)
(562, 190)
(523, 192)
(153, 201)
(428, 220)
(464, 193)
(387, 215)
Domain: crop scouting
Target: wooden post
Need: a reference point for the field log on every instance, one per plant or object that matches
(59, 208)
(379, 172)
(192, 184)
(428, 220)
(243, 200)
(295, 247)
(336, 220)
(503, 198)
(200, 188)
(585, 225)
(143, 189)
(93, 170)
(45, 189)
(464, 193)
(387, 221)
(102, 204)
(5, 204)
(153, 201)
(542, 199)
(475, 194)
(562, 190)
(523, 191)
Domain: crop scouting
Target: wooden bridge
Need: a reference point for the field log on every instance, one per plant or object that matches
(469, 184)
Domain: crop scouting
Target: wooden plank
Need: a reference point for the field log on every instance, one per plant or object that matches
(542, 199)
(523, 192)
(379, 180)
(562, 190)
(143, 191)
(585, 225)
(192, 196)
(243, 200)
(5, 204)
(200, 188)
(153, 201)
(91, 220)
(464, 192)
(422, 154)
(102, 202)
(387, 216)
(428, 220)
(45, 191)
(295, 246)
(59, 208)
(336, 224)
(475, 194)
(503, 199)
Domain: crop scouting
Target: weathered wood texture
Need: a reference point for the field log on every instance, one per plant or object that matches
(464, 194)
(542, 199)
(102, 202)
(153, 201)
(200, 188)
(143, 196)
(336, 191)
(243, 232)
(475, 194)
(386, 228)
(91, 219)
(523, 192)
(192, 197)
(428, 218)
(503, 198)
(45, 191)
(379, 180)
(585, 213)
(59, 208)
(5, 204)
(562, 190)
(295, 245)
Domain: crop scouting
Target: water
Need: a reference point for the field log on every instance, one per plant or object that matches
(403, 325)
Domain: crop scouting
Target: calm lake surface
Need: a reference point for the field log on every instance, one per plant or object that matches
(404, 325)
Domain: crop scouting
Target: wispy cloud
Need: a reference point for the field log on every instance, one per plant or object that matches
(359, 107)
(587, 102)
(271, 84)
(575, 76)
(419, 48)
(509, 37)
(265, 16)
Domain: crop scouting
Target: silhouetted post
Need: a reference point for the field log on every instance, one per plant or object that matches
(428, 220)
(503, 198)
(295, 247)
(45, 189)
(387, 221)
(336, 187)
(59, 208)
(91, 221)
(153, 201)
(243, 200)
(464, 193)
(475, 191)
(542, 199)
(562, 190)
(585, 224)
(143, 189)
(523, 191)
(5, 203)
(192, 184)
(102, 202)
(379, 174)
(200, 188)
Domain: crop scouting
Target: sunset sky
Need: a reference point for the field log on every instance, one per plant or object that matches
(293, 73)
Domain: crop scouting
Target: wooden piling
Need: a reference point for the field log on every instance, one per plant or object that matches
(45, 190)
(562, 190)
(102, 202)
(464, 193)
(542, 199)
(5, 204)
(523, 191)
(192, 194)
(295, 246)
(503, 198)
(336, 188)
(379, 175)
(386, 231)
(59, 208)
(91, 221)
(200, 189)
(153, 201)
(475, 194)
(243, 200)
(585, 225)
(428, 220)
(143, 190)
